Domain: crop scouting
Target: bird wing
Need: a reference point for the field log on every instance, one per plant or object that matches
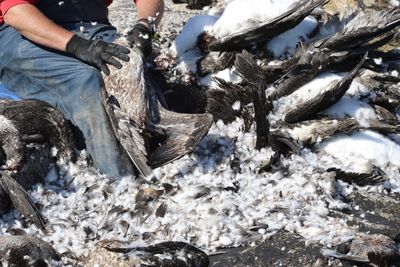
(127, 134)
(311, 107)
(21, 200)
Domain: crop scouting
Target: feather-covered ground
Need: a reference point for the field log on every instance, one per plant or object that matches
(218, 197)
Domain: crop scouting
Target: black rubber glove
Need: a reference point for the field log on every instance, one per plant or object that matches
(140, 37)
(97, 53)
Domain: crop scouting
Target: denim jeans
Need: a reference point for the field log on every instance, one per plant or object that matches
(73, 87)
(5, 93)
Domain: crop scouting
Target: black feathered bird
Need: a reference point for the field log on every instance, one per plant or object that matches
(28, 130)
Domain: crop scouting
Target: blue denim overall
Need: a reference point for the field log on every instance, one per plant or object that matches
(33, 71)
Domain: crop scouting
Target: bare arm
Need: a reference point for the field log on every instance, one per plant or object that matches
(35, 26)
(150, 8)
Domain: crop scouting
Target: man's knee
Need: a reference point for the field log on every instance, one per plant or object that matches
(90, 82)
(82, 100)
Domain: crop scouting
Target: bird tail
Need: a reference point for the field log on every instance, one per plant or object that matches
(179, 134)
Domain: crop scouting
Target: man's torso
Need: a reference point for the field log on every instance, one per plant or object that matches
(62, 11)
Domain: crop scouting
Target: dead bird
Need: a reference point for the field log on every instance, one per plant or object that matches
(382, 84)
(340, 50)
(308, 133)
(24, 251)
(360, 29)
(257, 84)
(116, 253)
(367, 248)
(324, 100)
(151, 135)
(26, 158)
(261, 31)
(307, 67)
(39, 122)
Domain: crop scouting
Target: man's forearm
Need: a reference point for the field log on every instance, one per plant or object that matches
(35, 26)
(150, 8)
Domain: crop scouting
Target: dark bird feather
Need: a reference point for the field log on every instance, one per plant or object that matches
(21, 200)
(214, 61)
(247, 67)
(316, 131)
(11, 145)
(179, 254)
(362, 28)
(221, 99)
(371, 178)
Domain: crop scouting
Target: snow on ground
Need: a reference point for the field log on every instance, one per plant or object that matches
(217, 197)
(241, 13)
(187, 39)
(285, 44)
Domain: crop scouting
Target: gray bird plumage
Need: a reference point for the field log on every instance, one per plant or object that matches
(151, 135)
(214, 61)
(11, 144)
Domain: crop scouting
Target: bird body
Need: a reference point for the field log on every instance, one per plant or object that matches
(151, 135)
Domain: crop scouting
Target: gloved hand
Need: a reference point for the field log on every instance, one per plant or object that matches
(97, 52)
(140, 37)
